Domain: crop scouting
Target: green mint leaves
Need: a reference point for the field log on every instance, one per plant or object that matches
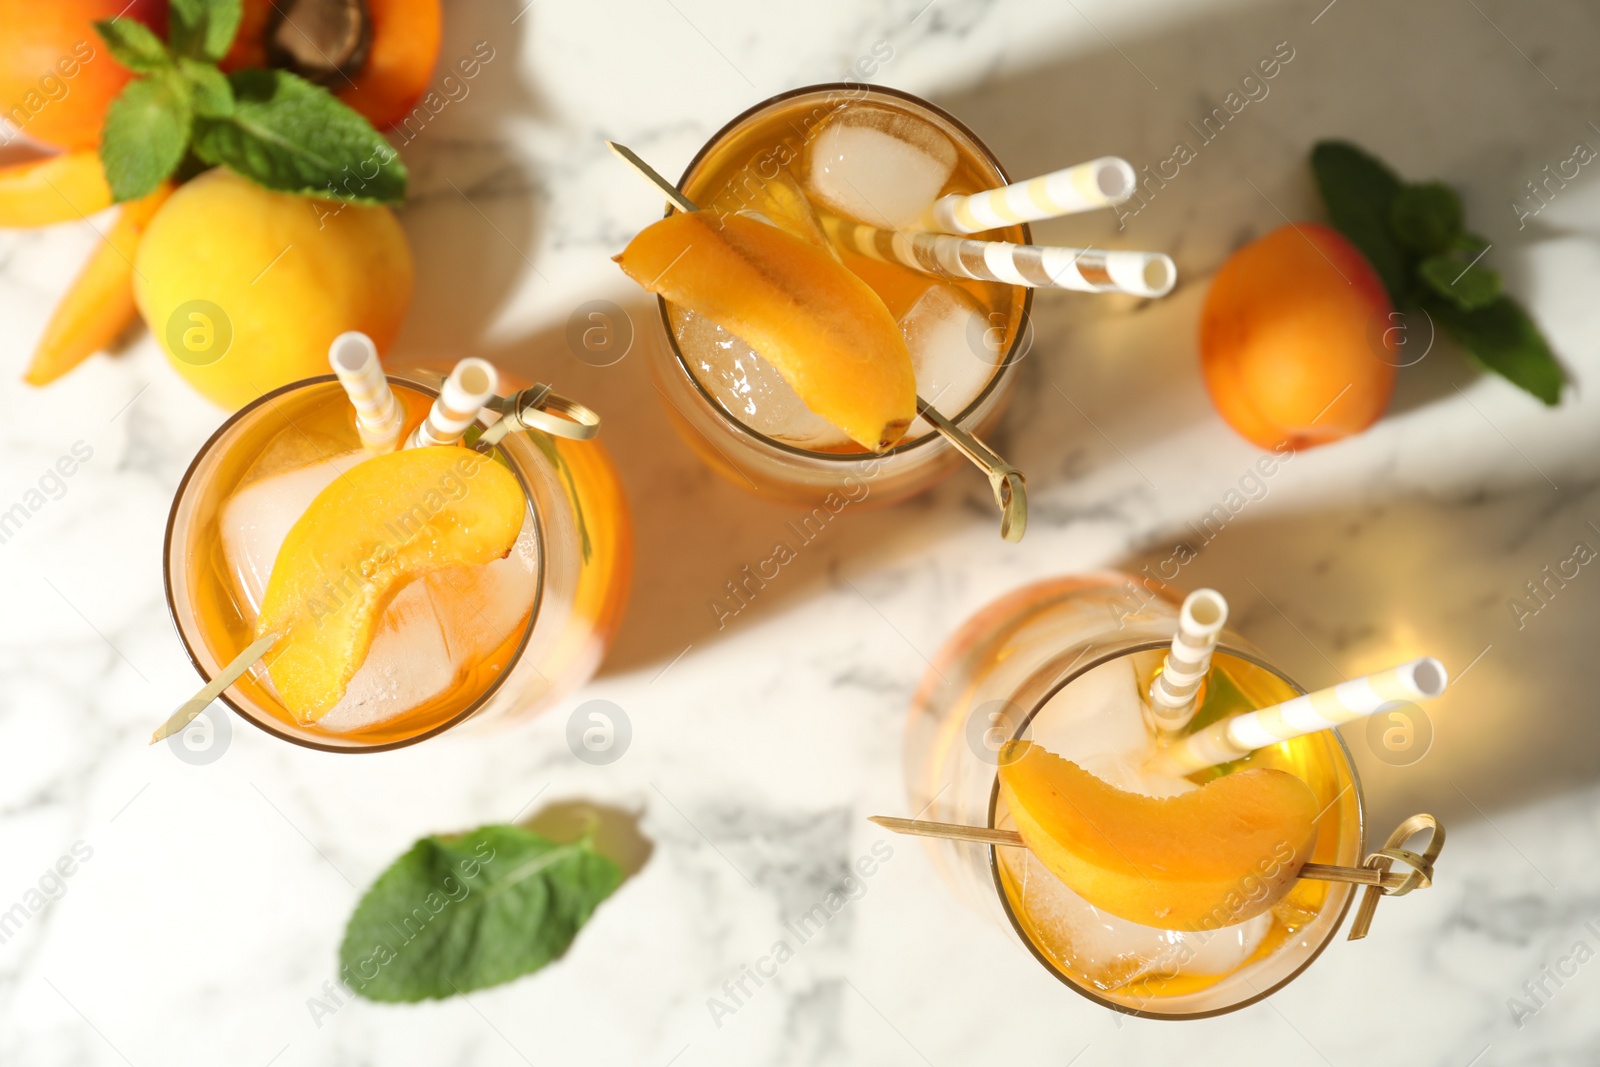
(1358, 192)
(1414, 236)
(469, 911)
(146, 134)
(270, 126)
(288, 134)
(204, 29)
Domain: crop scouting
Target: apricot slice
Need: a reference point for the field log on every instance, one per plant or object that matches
(823, 328)
(59, 188)
(1196, 861)
(382, 523)
(99, 306)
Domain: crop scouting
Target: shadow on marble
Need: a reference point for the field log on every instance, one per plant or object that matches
(477, 205)
(1329, 595)
(616, 831)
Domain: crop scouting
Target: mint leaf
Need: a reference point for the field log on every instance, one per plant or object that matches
(203, 29)
(287, 134)
(1426, 217)
(1505, 340)
(133, 44)
(208, 87)
(470, 911)
(1359, 191)
(145, 136)
(1460, 280)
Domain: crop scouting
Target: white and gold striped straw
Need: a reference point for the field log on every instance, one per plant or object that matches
(470, 386)
(379, 416)
(1224, 741)
(1172, 694)
(1085, 270)
(1097, 183)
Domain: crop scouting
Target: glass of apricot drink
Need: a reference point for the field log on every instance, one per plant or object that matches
(413, 589)
(1151, 894)
(792, 362)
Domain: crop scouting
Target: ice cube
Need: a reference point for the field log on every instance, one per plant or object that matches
(407, 665)
(257, 518)
(434, 631)
(953, 351)
(1111, 952)
(480, 607)
(748, 387)
(1097, 721)
(878, 165)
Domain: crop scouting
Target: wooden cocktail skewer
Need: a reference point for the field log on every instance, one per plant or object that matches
(1007, 483)
(984, 835)
(214, 688)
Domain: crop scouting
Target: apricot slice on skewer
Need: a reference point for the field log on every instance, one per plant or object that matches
(1196, 861)
(382, 523)
(823, 328)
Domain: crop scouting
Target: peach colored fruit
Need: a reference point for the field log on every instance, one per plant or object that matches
(56, 75)
(59, 188)
(823, 328)
(99, 306)
(1294, 339)
(1195, 861)
(381, 524)
(246, 288)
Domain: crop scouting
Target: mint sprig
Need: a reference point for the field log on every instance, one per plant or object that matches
(270, 126)
(289, 134)
(469, 911)
(1414, 235)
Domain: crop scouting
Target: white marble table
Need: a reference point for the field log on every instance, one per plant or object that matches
(208, 913)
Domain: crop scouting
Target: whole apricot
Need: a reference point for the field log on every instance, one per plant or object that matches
(57, 76)
(246, 287)
(1294, 344)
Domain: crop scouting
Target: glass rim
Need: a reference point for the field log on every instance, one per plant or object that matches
(275, 728)
(1002, 370)
(1072, 675)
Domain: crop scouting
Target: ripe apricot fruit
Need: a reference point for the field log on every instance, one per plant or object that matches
(1196, 861)
(823, 328)
(246, 288)
(56, 76)
(1294, 341)
(382, 523)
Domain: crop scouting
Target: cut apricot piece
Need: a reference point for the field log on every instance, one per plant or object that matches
(1196, 861)
(823, 328)
(382, 523)
(59, 188)
(405, 47)
(99, 306)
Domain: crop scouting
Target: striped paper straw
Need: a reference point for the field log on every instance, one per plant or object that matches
(1084, 187)
(1172, 694)
(379, 417)
(470, 385)
(1085, 270)
(1229, 739)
